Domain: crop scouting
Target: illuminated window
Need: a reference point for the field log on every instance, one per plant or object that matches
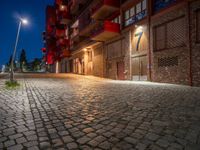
(138, 8)
(135, 13)
(117, 20)
(144, 4)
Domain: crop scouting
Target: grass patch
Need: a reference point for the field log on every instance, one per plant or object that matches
(12, 85)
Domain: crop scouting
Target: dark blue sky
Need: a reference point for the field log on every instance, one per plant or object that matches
(30, 36)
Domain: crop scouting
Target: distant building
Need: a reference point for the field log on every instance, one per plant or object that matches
(152, 40)
(3, 69)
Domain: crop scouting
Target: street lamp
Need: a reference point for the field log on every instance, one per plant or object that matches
(21, 21)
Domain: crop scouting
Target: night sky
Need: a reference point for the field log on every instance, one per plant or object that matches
(30, 36)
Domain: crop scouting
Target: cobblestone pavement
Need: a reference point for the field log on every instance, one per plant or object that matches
(91, 113)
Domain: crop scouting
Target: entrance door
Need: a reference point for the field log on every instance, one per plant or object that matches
(120, 70)
(139, 68)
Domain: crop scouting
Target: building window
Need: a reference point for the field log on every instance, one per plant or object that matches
(89, 56)
(135, 13)
(144, 5)
(160, 4)
(198, 26)
(170, 35)
(117, 20)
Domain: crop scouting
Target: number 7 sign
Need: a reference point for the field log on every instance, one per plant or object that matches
(139, 35)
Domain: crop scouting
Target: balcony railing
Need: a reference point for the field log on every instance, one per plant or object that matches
(105, 31)
(105, 8)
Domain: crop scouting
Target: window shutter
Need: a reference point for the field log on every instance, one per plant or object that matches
(198, 26)
(176, 33)
(160, 37)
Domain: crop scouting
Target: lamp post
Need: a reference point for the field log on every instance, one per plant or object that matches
(22, 21)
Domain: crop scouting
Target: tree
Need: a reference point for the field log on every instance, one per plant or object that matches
(23, 60)
(36, 64)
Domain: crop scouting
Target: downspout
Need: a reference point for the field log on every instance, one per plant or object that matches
(190, 47)
(149, 32)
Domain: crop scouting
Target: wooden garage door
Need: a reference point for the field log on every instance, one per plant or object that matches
(139, 68)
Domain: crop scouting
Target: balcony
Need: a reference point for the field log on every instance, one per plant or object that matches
(105, 31)
(61, 2)
(60, 33)
(86, 25)
(105, 8)
(64, 17)
(65, 53)
(50, 58)
(76, 5)
(43, 49)
(62, 42)
(50, 16)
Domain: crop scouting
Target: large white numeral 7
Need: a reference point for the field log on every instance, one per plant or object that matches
(139, 35)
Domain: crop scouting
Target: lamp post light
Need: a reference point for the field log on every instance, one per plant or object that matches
(21, 21)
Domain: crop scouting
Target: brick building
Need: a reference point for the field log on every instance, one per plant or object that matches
(152, 40)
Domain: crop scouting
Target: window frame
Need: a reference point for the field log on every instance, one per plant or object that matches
(166, 39)
(134, 17)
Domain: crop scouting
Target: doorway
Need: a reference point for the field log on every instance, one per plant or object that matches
(139, 68)
(120, 70)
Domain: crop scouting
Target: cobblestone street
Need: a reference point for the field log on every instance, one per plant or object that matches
(77, 112)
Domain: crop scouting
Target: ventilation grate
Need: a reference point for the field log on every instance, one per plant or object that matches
(168, 61)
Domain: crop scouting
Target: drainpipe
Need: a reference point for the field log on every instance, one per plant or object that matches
(149, 32)
(190, 47)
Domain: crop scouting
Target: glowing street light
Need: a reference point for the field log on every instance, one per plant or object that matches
(21, 21)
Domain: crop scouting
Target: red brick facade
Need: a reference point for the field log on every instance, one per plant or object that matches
(159, 43)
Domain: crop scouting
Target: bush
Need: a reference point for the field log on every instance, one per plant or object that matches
(12, 84)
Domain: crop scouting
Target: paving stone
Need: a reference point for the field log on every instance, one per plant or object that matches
(88, 130)
(99, 138)
(93, 143)
(16, 147)
(9, 143)
(30, 144)
(45, 145)
(2, 139)
(152, 136)
(67, 139)
(15, 136)
(83, 140)
(72, 145)
(21, 140)
(57, 142)
(32, 137)
(34, 148)
(131, 140)
(105, 145)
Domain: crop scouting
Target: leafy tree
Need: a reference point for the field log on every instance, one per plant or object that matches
(23, 60)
